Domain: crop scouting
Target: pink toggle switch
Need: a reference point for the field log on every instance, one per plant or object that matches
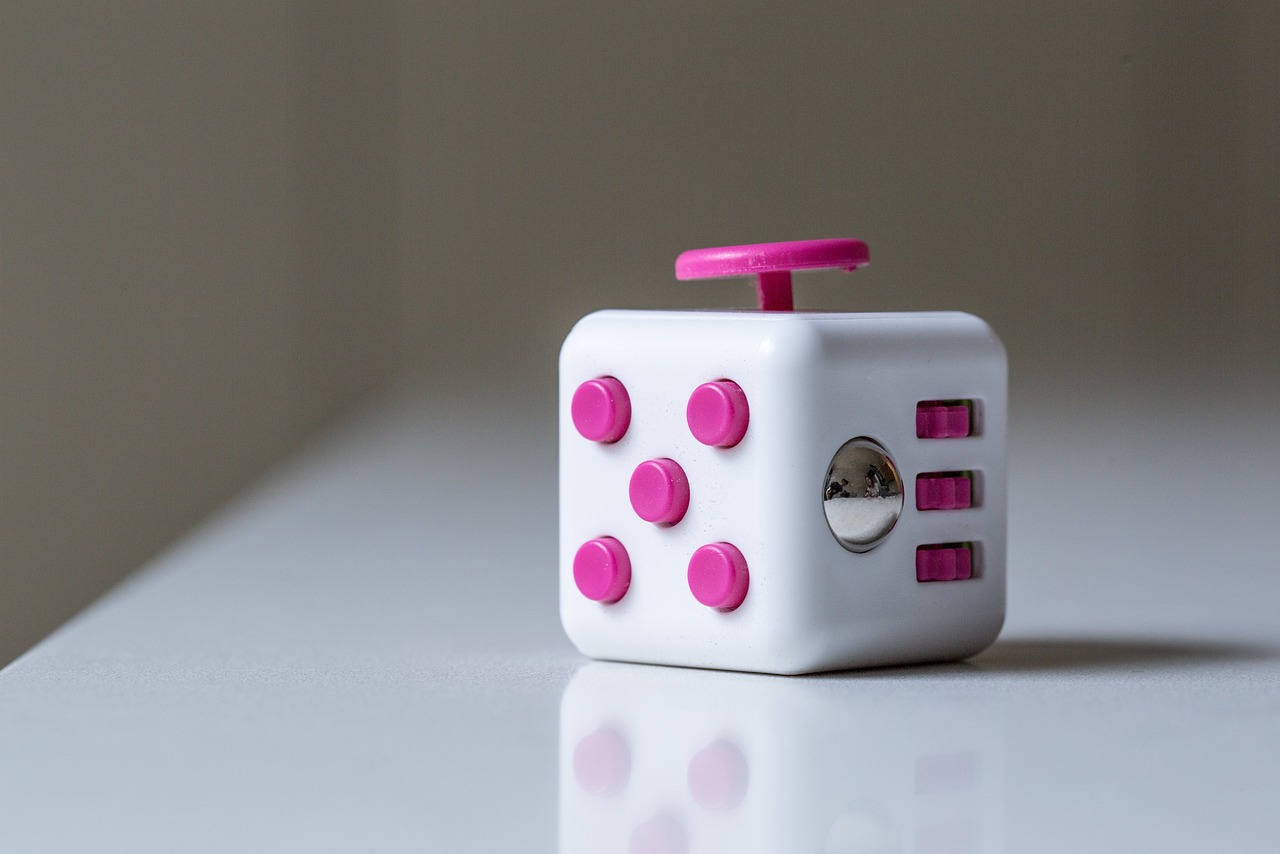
(717, 414)
(718, 576)
(601, 410)
(659, 491)
(944, 490)
(943, 419)
(947, 562)
(602, 570)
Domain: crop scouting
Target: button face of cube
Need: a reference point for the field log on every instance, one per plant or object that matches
(736, 421)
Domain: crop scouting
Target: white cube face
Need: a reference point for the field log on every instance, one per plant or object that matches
(810, 579)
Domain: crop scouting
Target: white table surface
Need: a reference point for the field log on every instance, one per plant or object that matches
(363, 654)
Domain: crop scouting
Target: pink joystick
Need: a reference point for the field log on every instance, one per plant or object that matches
(601, 410)
(717, 414)
(718, 576)
(659, 491)
(772, 263)
(602, 570)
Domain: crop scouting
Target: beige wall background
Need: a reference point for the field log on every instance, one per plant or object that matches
(223, 224)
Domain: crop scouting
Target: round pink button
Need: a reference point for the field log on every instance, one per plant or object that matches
(718, 576)
(602, 762)
(661, 834)
(659, 491)
(601, 409)
(718, 776)
(717, 414)
(602, 569)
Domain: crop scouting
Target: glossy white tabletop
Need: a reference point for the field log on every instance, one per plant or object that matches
(364, 654)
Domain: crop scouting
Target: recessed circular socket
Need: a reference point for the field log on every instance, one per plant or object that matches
(861, 495)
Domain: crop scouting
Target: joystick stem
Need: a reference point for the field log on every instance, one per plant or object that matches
(773, 291)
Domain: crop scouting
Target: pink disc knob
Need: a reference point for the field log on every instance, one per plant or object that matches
(602, 570)
(717, 414)
(659, 491)
(718, 576)
(601, 410)
(772, 264)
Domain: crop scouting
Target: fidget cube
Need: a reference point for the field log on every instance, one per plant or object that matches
(780, 491)
(666, 759)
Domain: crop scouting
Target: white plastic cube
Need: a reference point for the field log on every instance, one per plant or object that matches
(812, 382)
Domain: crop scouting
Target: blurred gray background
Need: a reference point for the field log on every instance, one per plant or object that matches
(223, 225)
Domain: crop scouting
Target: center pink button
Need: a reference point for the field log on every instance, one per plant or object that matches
(659, 491)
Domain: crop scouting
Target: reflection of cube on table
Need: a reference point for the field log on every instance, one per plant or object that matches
(652, 758)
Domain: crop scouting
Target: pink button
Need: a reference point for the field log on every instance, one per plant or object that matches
(717, 414)
(718, 776)
(602, 570)
(944, 491)
(718, 576)
(602, 762)
(661, 834)
(943, 419)
(659, 491)
(944, 562)
(601, 410)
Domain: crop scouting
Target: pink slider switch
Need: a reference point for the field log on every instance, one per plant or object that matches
(944, 490)
(949, 562)
(944, 419)
(772, 264)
